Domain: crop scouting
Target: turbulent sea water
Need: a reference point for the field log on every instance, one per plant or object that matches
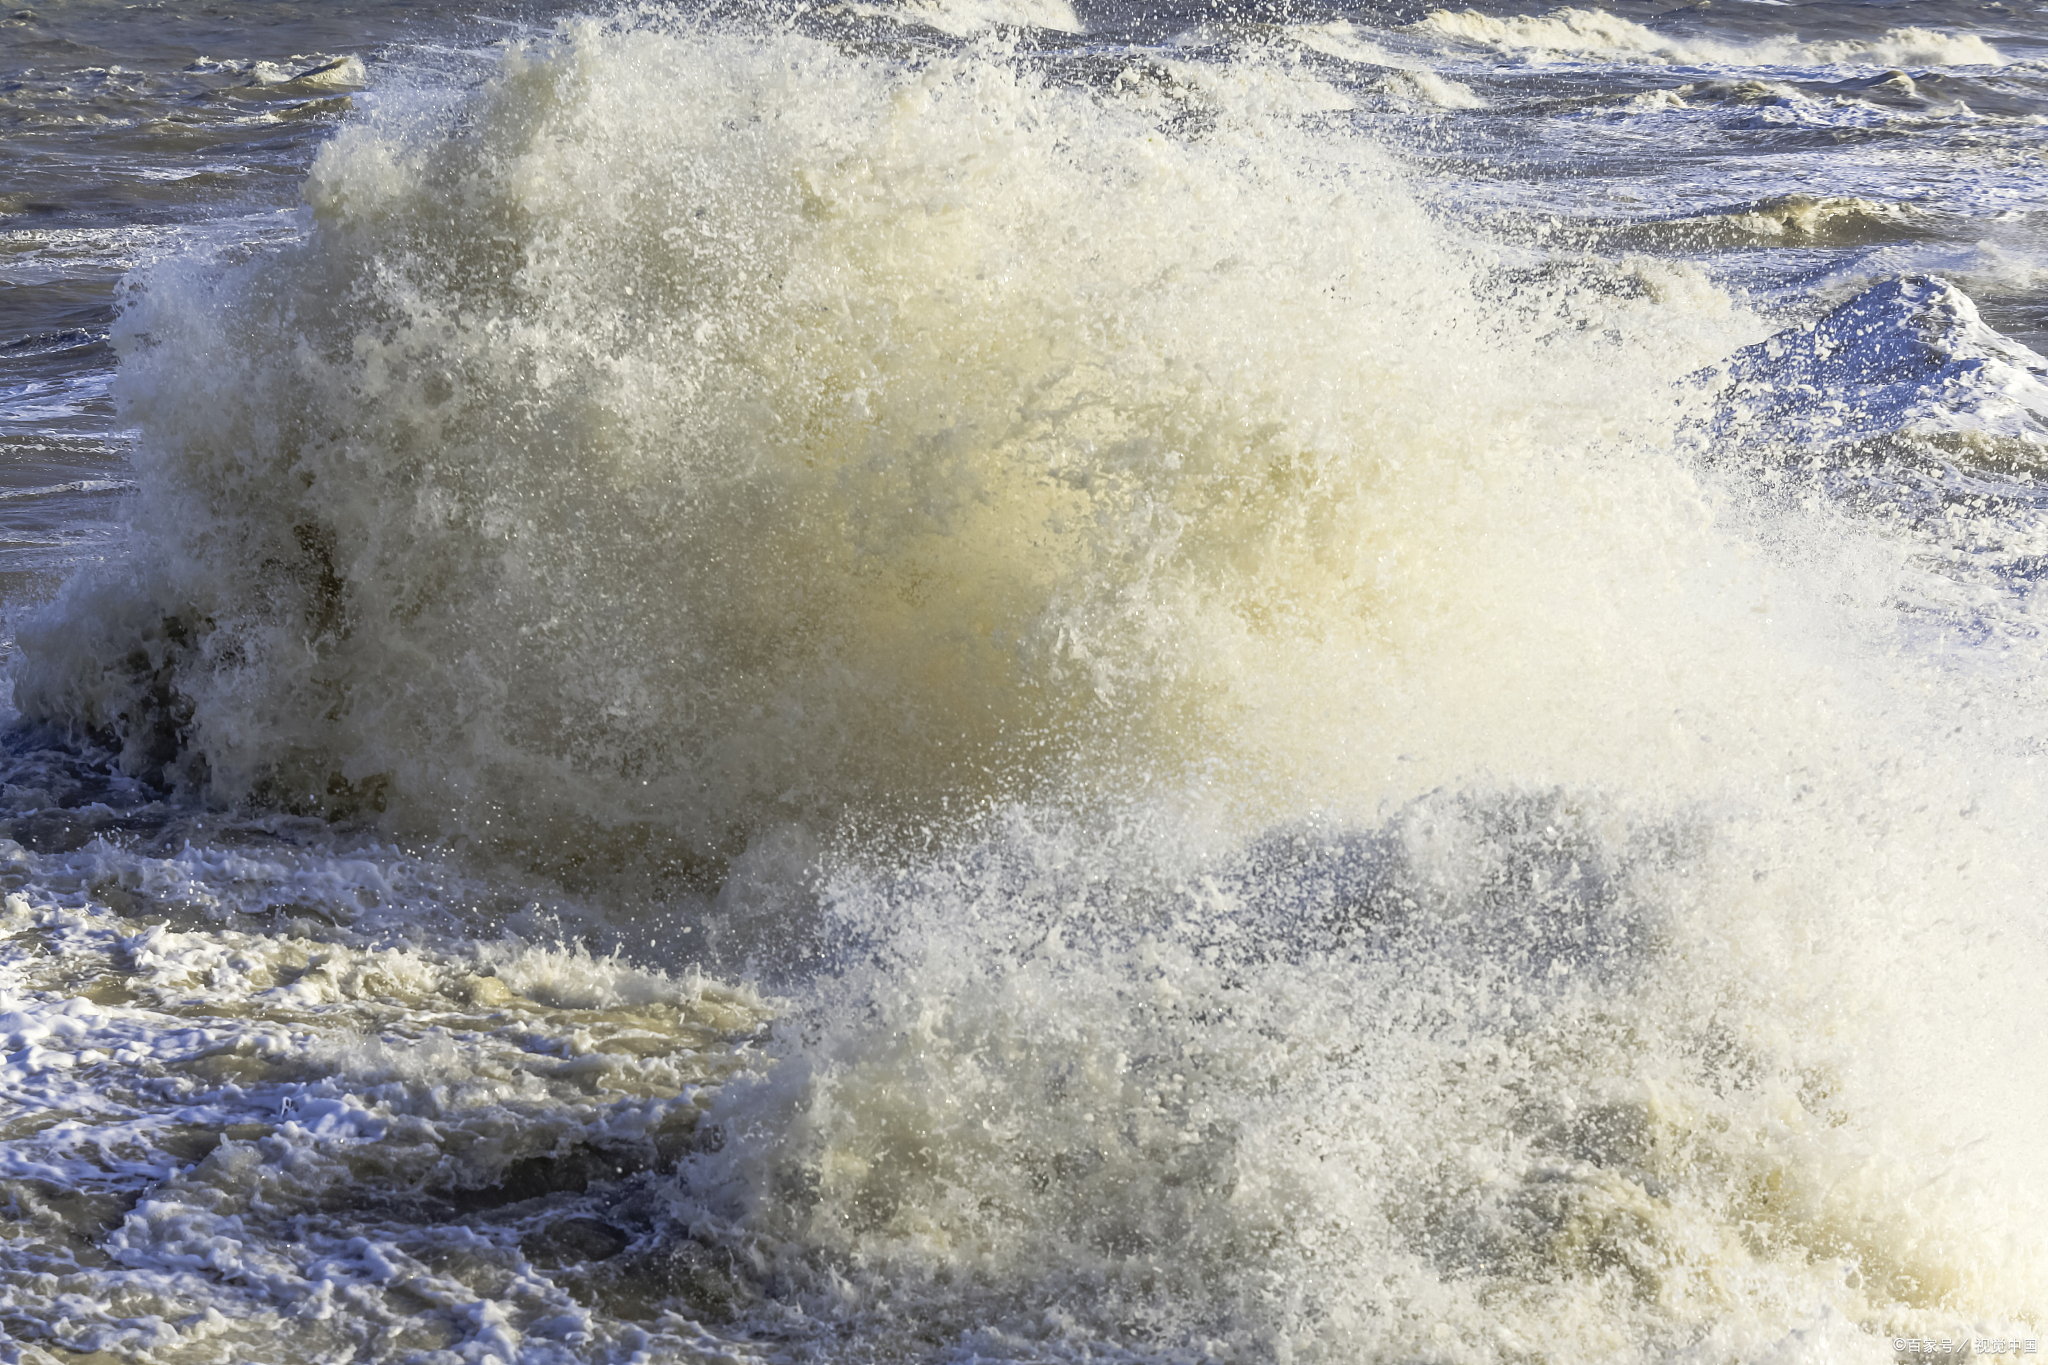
(1023, 680)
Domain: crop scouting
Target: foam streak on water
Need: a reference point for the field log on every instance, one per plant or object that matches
(979, 685)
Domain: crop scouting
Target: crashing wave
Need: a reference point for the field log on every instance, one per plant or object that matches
(660, 461)
(1294, 830)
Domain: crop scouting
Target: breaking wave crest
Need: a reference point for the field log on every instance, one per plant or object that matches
(1785, 220)
(1567, 34)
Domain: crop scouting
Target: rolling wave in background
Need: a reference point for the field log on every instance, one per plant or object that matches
(1567, 34)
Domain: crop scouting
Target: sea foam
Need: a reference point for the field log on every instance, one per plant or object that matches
(1569, 34)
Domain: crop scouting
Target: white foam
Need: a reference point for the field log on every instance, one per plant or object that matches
(1406, 80)
(1427, 87)
(1569, 34)
(246, 1085)
(1344, 41)
(963, 18)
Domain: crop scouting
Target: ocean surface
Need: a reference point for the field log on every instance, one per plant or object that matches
(1023, 681)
